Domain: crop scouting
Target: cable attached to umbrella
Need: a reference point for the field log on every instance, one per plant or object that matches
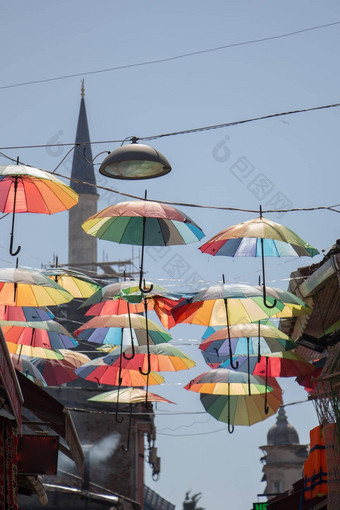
(148, 405)
(266, 303)
(142, 287)
(248, 361)
(230, 425)
(234, 366)
(119, 420)
(14, 253)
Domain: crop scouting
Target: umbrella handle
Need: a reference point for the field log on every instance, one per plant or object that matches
(14, 253)
(266, 304)
(131, 335)
(142, 287)
(147, 340)
(266, 408)
(232, 364)
(230, 425)
(230, 428)
(126, 448)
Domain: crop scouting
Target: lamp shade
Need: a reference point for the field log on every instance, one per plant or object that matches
(135, 161)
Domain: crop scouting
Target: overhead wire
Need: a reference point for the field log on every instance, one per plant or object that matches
(174, 57)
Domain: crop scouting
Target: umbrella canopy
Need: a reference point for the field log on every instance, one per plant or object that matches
(77, 284)
(28, 189)
(33, 352)
(123, 223)
(258, 237)
(242, 409)
(276, 364)
(107, 329)
(25, 366)
(25, 313)
(222, 381)
(208, 306)
(244, 240)
(143, 223)
(98, 371)
(46, 334)
(128, 396)
(59, 371)
(24, 287)
(160, 358)
(250, 337)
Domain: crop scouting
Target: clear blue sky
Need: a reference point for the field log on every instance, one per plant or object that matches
(296, 156)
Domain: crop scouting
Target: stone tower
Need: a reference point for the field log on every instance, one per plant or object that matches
(284, 456)
(82, 248)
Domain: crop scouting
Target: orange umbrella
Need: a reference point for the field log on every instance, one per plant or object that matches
(28, 189)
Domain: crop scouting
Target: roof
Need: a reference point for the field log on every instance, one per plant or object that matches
(82, 167)
(282, 432)
(319, 286)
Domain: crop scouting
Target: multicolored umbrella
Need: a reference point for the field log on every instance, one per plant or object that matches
(77, 284)
(33, 352)
(277, 364)
(25, 287)
(247, 339)
(258, 237)
(47, 334)
(28, 189)
(242, 410)
(60, 371)
(143, 223)
(229, 383)
(131, 396)
(107, 329)
(158, 358)
(25, 366)
(128, 396)
(98, 371)
(25, 313)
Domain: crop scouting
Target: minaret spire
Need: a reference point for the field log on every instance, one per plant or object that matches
(82, 248)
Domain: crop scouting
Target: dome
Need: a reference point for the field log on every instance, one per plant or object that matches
(282, 432)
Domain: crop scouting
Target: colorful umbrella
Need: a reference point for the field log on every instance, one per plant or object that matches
(258, 237)
(25, 366)
(25, 313)
(226, 382)
(130, 396)
(143, 223)
(77, 284)
(28, 189)
(24, 287)
(158, 358)
(242, 410)
(277, 364)
(46, 334)
(60, 371)
(257, 338)
(33, 352)
(98, 371)
(108, 329)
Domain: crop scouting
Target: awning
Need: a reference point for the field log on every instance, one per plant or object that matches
(52, 412)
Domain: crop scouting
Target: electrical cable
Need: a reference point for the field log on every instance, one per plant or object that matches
(175, 57)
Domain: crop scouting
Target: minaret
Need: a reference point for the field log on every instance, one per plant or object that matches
(284, 456)
(82, 248)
